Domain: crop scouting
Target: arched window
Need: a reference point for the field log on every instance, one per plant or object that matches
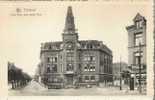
(69, 67)
(85, 68)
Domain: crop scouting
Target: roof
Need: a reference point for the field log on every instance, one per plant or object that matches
(83, 44)
(138, 17)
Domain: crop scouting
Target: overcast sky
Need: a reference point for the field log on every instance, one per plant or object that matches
(21, 37)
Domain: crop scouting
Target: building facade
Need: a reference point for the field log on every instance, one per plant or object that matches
(137, 49)
(73, 62)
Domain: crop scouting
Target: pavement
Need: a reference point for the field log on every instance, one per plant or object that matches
(36, 89)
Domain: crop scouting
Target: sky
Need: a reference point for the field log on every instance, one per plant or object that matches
(21, 36)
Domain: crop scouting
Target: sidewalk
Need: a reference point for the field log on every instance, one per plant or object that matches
(34, 89)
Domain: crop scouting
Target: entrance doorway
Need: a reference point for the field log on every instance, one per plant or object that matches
(69, 80)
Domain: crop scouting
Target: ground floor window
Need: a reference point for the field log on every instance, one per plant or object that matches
(89, 78)
(86, 78)
(92, 78)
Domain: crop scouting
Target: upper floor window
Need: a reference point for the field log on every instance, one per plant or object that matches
(92, 58)
(89, 58)
(48, 69)
(70, 59)
(138, 39)
(52, 68)
(138, 55)
(90, 46)
(52, 59)
(92, 68)
(86, 68)
(69, 67)
(138, 24)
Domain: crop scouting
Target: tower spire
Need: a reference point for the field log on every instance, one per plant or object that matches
(69, 23)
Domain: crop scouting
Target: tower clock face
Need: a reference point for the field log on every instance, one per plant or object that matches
(69, 46)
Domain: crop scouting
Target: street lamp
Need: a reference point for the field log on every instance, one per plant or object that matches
(120, 75)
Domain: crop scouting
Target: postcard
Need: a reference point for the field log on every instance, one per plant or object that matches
(77, 49)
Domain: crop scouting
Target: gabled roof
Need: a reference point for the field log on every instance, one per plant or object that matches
(138, 17)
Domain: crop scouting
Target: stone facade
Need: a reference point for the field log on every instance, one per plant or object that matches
(73, 62)
(137, 47)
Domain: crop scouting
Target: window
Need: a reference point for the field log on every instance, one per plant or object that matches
(85, 68)
(56, 59)
(86, 78)
(91, 58)
(80, 79)
(70, 59)
(48, 59)
(136, 57)
(92, 78)
(87, 46)
(88, 58)
(55, 80)
(139, 24)
(70, 56)
(48, 69)
(61, 57)
(138, 39)
(69, 67)
(54, 68)
(93, 68)
(80, 67)
(52, 59)
(91, 46)
(50, 47)
(51, 68)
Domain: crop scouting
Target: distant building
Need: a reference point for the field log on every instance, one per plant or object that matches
(116, 69)
(117, 72)
(137, 47)
(73, 62)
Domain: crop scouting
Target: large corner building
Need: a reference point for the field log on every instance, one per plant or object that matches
(73, 62)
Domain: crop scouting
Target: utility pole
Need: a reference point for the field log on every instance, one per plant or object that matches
(120, 75)
(139, 63)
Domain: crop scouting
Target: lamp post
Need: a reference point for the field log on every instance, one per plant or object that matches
(120, 75)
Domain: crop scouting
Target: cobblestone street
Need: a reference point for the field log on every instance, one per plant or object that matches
(34, 89)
